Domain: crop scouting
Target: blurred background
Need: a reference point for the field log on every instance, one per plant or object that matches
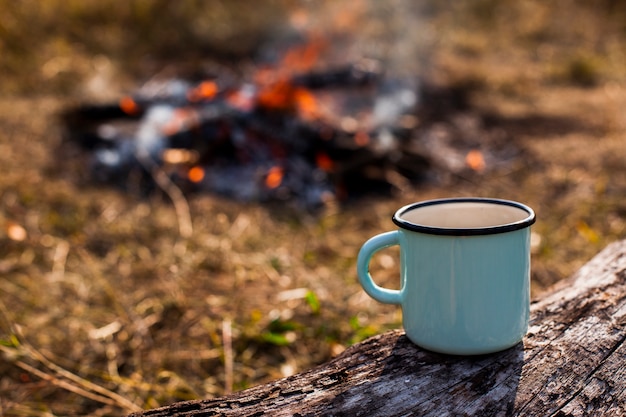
(113, 300)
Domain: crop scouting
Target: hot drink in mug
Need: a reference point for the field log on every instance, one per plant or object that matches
(465, 273)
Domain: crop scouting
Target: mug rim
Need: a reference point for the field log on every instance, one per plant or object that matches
(469, 231)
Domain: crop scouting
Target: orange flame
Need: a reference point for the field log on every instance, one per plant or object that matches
(195, 174)
(277, 96)
(285, 96)
(475, 160)
(301, 59)
(129, 106)
(277, 92)
(274, 177)
(206, 90)
(306, 104)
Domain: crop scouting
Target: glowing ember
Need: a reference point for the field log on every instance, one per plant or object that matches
(129, 106)
(196, 174)
(306, 104)
(475, 160)
(278, 96)
(274, 177)
(289, 130)
(206, 90)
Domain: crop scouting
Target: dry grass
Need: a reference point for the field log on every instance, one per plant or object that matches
(105, 307)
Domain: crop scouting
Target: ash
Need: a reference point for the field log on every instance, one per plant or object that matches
(307, 139)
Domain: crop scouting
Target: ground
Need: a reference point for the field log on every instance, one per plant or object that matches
(105, 307)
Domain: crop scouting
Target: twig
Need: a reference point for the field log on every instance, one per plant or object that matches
(76, 384)
(185, 227)
(227, 341)
(60, 258)
(68, 386)
(118, 399)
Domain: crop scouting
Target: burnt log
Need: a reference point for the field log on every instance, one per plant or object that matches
(570, 363)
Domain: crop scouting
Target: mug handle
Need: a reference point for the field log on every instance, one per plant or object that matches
(368, 250)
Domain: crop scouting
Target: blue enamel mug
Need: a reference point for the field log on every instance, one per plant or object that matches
(465, 273)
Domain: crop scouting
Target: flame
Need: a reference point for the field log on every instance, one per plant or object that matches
(284, 96)
(277, 92)
(303, 58)
(306, 104)
(274, 177)
(475, 160)
(277, 96)
(195, 174)
(206, 90)
(129, 106)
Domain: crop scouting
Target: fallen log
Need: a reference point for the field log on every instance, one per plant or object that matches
(571, 363)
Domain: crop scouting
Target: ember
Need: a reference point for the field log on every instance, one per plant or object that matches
(282, 133)
(475, 160)
(196, 174)
(274, 177)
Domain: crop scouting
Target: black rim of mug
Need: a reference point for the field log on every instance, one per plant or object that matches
(470, 231)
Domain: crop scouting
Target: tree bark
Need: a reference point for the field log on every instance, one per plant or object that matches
(571, 363)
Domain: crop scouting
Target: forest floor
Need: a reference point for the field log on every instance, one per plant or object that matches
(105, 308)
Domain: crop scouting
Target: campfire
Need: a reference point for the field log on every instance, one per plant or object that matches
(286, 130)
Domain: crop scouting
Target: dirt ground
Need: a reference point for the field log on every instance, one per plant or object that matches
(105, 308)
